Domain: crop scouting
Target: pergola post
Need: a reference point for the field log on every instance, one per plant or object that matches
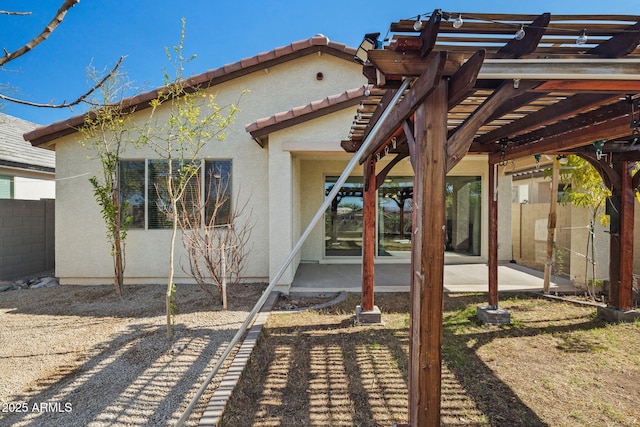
(620, 306)
(491, 313)
(427, 279)
(493, 237)
(367, 312)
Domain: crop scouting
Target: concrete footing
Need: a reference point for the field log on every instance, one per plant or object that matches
(611, 314)
(493, 315)
(373, 317)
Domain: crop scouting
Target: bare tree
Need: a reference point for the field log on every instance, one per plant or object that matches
(215, 235)
(9, 56)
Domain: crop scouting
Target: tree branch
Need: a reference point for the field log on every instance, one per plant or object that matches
(65, 104)
(8, 12)
(44, 34)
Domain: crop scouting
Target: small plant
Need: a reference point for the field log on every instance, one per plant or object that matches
(106, 132)
(181, 121)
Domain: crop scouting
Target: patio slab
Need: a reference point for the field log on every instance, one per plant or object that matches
(332, 278)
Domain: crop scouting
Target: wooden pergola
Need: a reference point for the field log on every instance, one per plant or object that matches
(508, 86)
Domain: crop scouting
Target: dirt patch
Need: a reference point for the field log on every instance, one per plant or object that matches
(555, 365)
(81, 356)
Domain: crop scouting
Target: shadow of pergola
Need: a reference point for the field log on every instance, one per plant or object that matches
(340, 375)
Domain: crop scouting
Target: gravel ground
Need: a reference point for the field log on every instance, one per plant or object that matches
(80, 356)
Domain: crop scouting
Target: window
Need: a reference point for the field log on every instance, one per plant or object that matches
(143, 188)
(6, 187)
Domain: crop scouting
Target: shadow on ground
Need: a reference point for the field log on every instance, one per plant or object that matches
(135, 379)
(319, 369)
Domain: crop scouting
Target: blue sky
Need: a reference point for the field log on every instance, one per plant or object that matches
(99, 32)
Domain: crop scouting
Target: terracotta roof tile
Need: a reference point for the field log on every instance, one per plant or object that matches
(296, 115)
(208, 78)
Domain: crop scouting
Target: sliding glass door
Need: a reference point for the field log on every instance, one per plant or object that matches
(395, 198)
(344, 219)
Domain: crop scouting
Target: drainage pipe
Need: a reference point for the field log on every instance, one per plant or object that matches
(355, 160)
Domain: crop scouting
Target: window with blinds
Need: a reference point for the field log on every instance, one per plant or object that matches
(143, 190)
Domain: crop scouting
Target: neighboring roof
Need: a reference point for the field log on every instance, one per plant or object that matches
(16, 152)
(278, 121)
(318, 43)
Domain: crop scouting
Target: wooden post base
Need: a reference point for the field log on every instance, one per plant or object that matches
(493, 315)
(372, 317)
(612, 314)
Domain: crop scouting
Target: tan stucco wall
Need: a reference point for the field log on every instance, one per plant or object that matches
(81, 247)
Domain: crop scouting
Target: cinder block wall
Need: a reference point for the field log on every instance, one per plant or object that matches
(27, 243)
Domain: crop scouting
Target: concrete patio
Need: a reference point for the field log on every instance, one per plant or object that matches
(331, 278)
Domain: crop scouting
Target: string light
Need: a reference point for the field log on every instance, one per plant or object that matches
(582, 38)
(417, 26)
(520, 33)
(458, 22)
(599, 144)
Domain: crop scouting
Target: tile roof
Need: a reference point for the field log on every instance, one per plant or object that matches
(16, 152)
(318, 43)
(330, 104)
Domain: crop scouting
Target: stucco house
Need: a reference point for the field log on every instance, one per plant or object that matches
(284, 153)
(26, 172)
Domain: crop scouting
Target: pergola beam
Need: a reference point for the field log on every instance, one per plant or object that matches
(421, 88)
(380, 177)
(620, 44)
(561, 69)
(607, 130)
(589, 119)
(459, 142)
(516, 48)
(395, 64)
(464, 80)
(429, 33)
(550, 114)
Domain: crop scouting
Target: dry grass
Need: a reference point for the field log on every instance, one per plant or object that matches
(556, 365)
